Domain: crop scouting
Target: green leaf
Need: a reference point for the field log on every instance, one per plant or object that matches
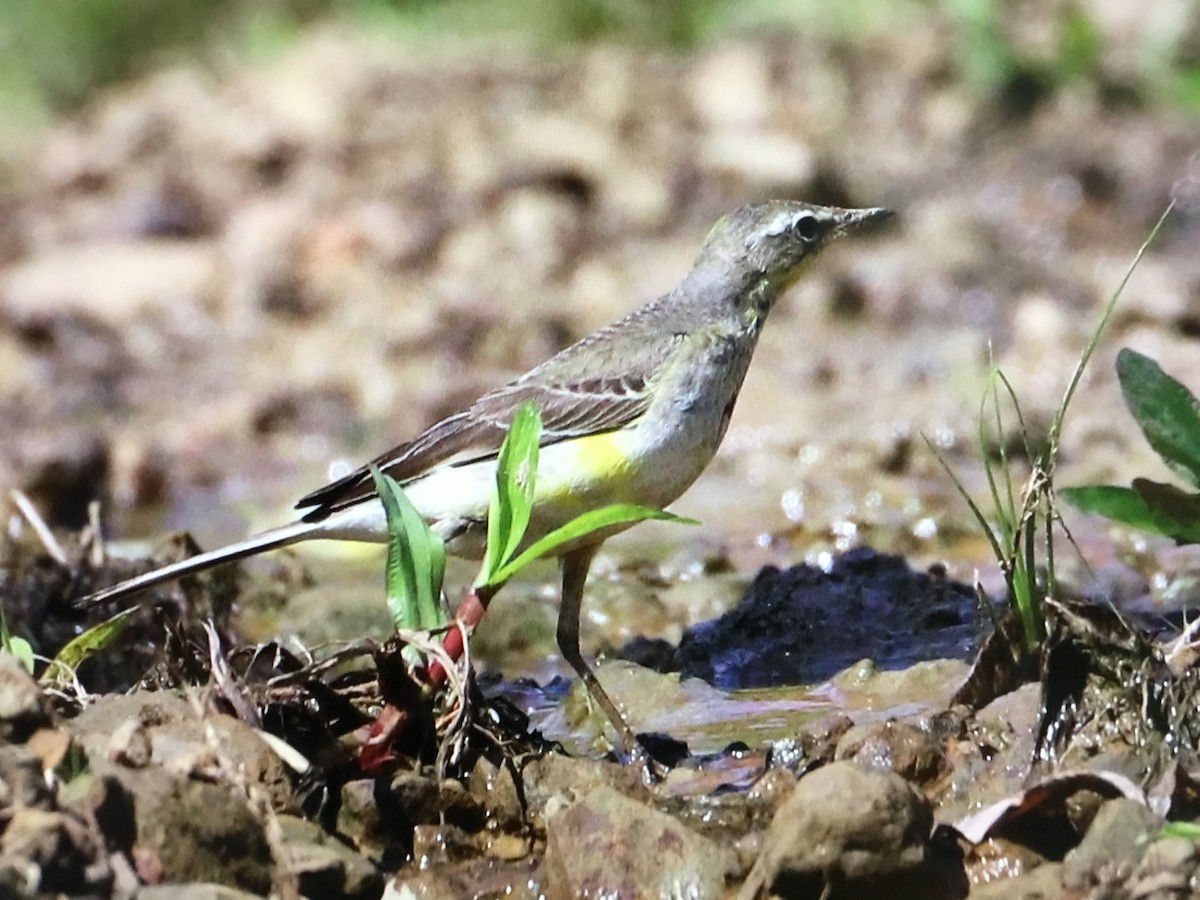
(1130, 507)
(17, 646)
(416, 561)
(585, 525)
(1121, 504)
(516, 479)
(62, 668)
(1167, 412)
(1187, 830)
(1175, 509)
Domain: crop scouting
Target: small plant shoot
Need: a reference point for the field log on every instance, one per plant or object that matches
(512, 508)
(416, 562)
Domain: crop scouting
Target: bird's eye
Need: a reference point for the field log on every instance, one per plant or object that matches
(807, 228)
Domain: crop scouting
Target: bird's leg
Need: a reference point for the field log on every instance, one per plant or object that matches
(575, 565)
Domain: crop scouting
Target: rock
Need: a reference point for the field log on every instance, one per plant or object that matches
(849, 832)
(1042, 883)
(23, 708)
(18, 878)
(195, 891)
(325, 867)
(519, 880)
(606, 844)
(1112, 846)
(553, 780)
(440, 845)
(499, 791)
(22, 781)
(123, 728)
(64, 851)
(900, 747)
(420, 800)
(377, 815)
(359, 817)
(117, 282)
(731, 84)
(758, 157)
(1166, 869)
(193, 830)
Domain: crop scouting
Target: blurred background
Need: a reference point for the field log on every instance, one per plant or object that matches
(245, 244)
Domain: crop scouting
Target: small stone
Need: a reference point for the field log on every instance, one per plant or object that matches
(1165, 869)
(848, 832)
(194, 891)
(608, 844)
(495, 784)
(22, 780)
(23, 708)
(732, 85)
(18, 877)
(359, 817)
(421, 800)
(61, 846)
(508, 846)
(758, 158)
(1112, 846)
(435, 845)
(483, 877)
(899, 747)
(553, 781)
(118, 282)
(1041, 883)
(775, 786)
(186, 827)
(324, 866)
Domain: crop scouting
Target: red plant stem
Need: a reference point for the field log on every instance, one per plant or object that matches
(469, 613)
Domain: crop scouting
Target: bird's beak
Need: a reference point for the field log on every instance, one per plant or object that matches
(849, 220)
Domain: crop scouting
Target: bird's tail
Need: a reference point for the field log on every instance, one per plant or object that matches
(267, 540)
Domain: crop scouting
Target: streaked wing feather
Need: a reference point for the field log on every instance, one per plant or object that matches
(587, 406)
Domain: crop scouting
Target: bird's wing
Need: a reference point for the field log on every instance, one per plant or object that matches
(575, 400)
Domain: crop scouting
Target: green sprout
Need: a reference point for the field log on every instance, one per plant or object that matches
(416, 561)
(512, 508)
(416, 565)
(1025, 518)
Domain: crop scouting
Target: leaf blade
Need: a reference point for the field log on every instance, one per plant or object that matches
(584, 525)
(416, 561)
(1128, 506)
(62, 668)
(1166, 411)
(511, 505)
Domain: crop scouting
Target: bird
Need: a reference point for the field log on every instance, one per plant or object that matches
(632, 413)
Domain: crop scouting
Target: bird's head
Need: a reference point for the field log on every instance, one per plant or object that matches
(759, 251)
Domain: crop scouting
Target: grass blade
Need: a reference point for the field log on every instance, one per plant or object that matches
(62, 668)
(516, 481)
